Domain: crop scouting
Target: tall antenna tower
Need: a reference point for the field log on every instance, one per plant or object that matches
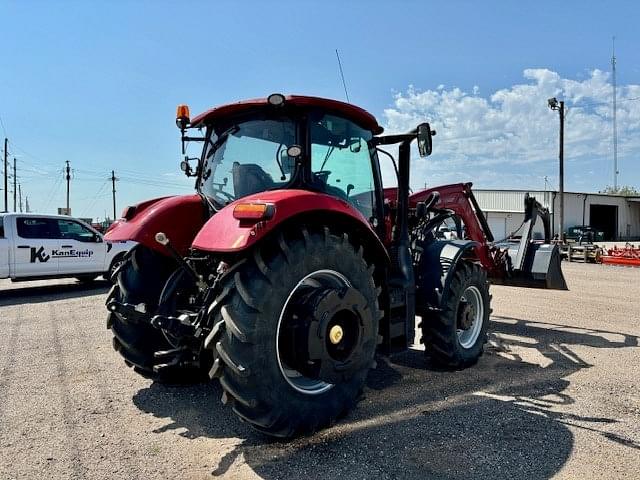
(615, 120)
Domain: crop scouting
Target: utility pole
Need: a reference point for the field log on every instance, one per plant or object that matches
(15, 183)
(615, 123)
(27, 204)
(6, 173)
(559, 106)
(113, 183)
(20, 196)
(68, 177)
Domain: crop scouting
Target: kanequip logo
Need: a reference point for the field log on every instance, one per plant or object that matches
(39, 255)
(86, 253)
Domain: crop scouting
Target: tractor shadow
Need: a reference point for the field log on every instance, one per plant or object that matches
(38, 293)
(499, 419)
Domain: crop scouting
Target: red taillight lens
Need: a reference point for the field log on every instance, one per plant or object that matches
(253, 211)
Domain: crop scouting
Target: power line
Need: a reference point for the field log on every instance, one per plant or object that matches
(54, 191)
(95, 198)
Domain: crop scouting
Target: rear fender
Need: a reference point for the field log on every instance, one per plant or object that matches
(436, 268)
(223, 233)
(180, 217)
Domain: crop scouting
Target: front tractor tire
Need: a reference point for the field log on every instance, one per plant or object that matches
(455, 336)
(141, 280)
(295, 332)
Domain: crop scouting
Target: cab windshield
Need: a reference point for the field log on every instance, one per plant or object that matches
(247, 157)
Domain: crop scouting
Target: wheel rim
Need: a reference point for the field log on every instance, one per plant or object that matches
(316, 280)
(473, 300)
(114, 267)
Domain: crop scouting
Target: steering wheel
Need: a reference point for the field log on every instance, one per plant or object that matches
(222, 193)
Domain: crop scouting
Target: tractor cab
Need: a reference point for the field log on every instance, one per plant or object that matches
(291, 142)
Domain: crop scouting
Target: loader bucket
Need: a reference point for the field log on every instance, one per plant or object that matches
(539, 269)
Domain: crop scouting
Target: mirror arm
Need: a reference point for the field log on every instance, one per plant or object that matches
(184, 139)
(391, 139)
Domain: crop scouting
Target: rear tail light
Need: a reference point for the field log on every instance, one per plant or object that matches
(253, 211)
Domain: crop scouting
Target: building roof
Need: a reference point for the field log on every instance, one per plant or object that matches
(534, 192)
(349, 111)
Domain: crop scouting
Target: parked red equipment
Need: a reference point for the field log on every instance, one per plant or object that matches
(629, 255)
(292, 266)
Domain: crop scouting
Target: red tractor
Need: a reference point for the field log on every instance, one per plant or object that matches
(291, 265)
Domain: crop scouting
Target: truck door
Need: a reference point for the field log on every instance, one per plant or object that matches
(80, 249)
(36, 239)
(4, 251)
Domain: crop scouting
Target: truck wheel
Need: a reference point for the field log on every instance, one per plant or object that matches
(295, 332)
(455, 336)
(141, 280)
(115, 264)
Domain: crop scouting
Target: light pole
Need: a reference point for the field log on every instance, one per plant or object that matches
(554, 104)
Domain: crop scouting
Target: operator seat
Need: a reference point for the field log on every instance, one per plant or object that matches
(249, 178)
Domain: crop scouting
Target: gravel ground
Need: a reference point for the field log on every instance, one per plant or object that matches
(556, 395)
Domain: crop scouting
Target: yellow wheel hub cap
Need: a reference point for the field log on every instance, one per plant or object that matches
(335, 334)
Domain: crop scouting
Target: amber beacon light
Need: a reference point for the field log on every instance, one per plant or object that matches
(182, 116)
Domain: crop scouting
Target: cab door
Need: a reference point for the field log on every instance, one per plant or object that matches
(345, 165)
(80, 249)
(35, 241)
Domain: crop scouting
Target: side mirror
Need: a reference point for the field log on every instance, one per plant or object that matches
(425, 139)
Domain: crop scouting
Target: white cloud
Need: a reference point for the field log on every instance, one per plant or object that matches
(510, 137)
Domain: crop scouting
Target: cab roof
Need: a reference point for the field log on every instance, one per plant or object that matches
(347, 110)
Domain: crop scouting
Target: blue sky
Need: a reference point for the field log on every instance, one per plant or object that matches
(97, 83)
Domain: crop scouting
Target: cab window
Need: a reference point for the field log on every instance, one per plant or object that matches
(247, 158)
(36, 227)
(341, 162)
(72, 230)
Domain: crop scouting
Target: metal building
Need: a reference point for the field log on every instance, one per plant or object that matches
(615, 215)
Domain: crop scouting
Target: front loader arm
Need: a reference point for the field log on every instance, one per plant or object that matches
(527, 263)
(459, 198)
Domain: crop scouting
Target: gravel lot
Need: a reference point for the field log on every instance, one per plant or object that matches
(557, 395)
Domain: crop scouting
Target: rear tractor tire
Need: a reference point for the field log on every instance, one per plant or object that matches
(295, 332)
(455, 336)
(141, 280)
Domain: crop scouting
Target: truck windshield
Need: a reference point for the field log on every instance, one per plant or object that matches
(247, 157)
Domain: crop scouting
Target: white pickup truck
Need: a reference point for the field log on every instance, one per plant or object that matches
(36, 246)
